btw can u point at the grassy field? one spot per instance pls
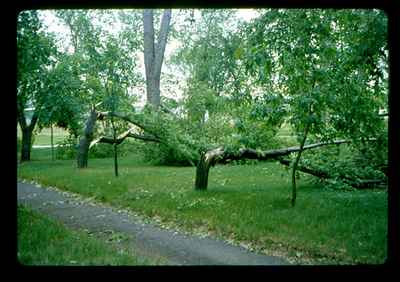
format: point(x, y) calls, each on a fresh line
point(44, 137)
point(248, 205)
point(43, 241)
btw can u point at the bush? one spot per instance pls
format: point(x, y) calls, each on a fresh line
point(67, 149)
point(160, 154)
point(343, 161)
point(101, 151)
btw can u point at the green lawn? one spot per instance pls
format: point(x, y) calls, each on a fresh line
point(248, 204)
point(44, 136)
point(43, 241)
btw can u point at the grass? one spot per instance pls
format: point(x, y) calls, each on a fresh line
point(246, 204)
point(41, 154)
point(43, 241)
point(44, 136)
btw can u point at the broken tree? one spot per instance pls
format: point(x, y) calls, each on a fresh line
point(220, 155)
point(210, 158)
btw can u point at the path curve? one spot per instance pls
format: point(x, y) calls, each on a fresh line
point(148, 240)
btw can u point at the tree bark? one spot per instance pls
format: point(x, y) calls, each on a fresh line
point(154, 54)
point(214, 156)
point(296, 162)
point(86, 139)
point(203, 167)
point(26, 145)
point(115, 148)
point(52, 143)
point(115, 159)
point(27, 132)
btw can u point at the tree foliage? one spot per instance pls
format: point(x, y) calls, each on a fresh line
point(326, 59)
point(323, 72)
point(35, 59)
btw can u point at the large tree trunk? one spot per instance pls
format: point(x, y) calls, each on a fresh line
point(203, 167)
point(211, 157)
point(27, 132)
point(52, 142)
point(26, 145)
point(154, 54)
point(86, 139)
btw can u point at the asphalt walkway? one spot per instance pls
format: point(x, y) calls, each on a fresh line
point(147, 239)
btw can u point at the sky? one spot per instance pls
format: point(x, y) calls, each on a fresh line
point(54, 25)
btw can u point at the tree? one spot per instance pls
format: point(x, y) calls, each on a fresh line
point(106, 64)
point(206, 56)
point(154, 53)
point(62, 106)
point(85, 38)
point(34, 53)
point(300, 60)
point(153, 57)
point(310, 64)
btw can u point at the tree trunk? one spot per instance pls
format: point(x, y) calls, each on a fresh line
point(296, 162)
point(86, 139)
point(203, 168)
point(115, 147)
point(154, 54)
point(26, 144)
point(52, 143)
point(27, 132)
point(115, 159)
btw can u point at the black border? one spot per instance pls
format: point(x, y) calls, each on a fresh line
point(392, 10)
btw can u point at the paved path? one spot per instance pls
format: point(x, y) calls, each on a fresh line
point(147, 239)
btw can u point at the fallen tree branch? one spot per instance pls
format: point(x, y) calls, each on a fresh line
point(219, 154)
point(145, 137)
point(126, 118)
point(359, 184)
point(122, 137)
point(149, 135)
point(210, 158)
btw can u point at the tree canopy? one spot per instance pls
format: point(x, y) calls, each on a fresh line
point(233, 84)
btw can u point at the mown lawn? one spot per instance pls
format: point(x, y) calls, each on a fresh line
point(44, 137)
point(248, 204)
point(43, 241)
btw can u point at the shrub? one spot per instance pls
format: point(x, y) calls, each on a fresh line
point(343, 161)
point(101, 151)
point(67, 149)
point(160, 154)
